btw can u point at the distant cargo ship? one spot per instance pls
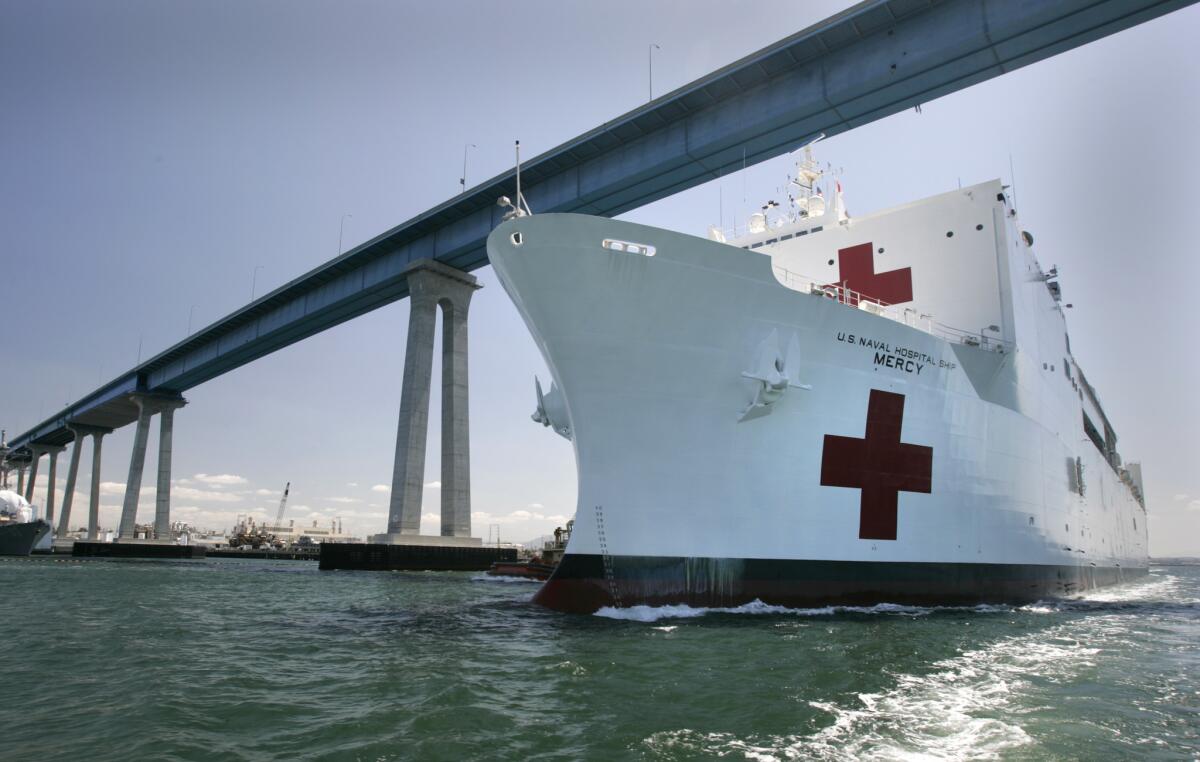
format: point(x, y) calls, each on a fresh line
point(821, 409)
point(19, 531)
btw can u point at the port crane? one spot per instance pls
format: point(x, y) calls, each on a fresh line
point(282, 506)
point(246, 533)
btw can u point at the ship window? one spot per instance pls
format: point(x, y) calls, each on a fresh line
point(1135, 522)
point(1090, 429)
point(756, 245)
point(769, 241)
point(632, 248)
point(516, 239)
point(802, 232)
point(785, 237)
point(817, 229)
point(1066, 368)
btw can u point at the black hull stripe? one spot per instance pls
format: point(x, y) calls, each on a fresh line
point(585, 583)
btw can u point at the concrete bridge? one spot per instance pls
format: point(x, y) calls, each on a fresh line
point(868, 62)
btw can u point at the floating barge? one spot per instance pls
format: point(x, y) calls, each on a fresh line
point(84, 549)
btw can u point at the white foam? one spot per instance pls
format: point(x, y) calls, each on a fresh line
point(644, 613)
point(503, 578)
point(958, 710)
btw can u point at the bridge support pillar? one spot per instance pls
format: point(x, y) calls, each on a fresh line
point(148, 406)
point(162, 497)
point(137, 462)
point(432, 284)
point(21, 479)
point(64, 517)
point(51, 479)
point(94, 495)
point(33, 469)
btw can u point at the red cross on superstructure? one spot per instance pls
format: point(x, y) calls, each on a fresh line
point(878, 464)
point(856, 270)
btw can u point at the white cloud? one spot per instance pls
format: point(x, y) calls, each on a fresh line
point(431, 516)
point(516, 517)
point(1180, 497)
point(112, 488)
point(220, 480)
point(381, 488)
point(1194, 505)
point(344, 500)
point(191, 493)
point(433, 485)
point(538, 506)
point(351, 484)
point(265, 492)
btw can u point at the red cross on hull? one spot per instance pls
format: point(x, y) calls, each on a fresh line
point(879, 464)
point(856, 272)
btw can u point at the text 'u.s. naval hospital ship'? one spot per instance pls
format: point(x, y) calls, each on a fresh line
point(823, 410)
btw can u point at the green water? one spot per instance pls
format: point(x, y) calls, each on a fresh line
point(111, 660)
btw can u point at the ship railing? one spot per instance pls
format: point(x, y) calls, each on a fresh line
point(910, 317)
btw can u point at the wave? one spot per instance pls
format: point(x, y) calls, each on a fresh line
point(643, 613)
point(503, 578)
point(1158, 593)
point(961, 709)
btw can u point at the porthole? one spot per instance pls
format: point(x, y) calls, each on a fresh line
point(831, 262)
point(880, 251)
point(979, 227)
point(949, 233)
point(517, 239)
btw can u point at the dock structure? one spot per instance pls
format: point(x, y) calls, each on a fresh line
point(872, 60)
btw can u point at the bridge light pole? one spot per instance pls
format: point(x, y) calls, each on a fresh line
point(254, 281)
point(463, 180)
point(342, 229)
point(192, 310)
point(650, 66)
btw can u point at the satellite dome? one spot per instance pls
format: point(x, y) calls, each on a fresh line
point(14, 505)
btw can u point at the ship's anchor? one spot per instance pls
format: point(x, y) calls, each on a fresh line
point(774, 375)
point(551, 409)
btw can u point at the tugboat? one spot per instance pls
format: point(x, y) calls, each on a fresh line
point(539, 566)
point(19, 531)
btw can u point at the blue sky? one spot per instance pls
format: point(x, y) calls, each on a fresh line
point(158, 155)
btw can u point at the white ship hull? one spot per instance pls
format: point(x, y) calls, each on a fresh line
point(914, 469)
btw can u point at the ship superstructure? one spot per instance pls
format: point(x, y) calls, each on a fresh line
point(821, 408)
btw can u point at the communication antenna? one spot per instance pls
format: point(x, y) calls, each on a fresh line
point(1012, 174)
point(520, 208)
point(522, 204)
